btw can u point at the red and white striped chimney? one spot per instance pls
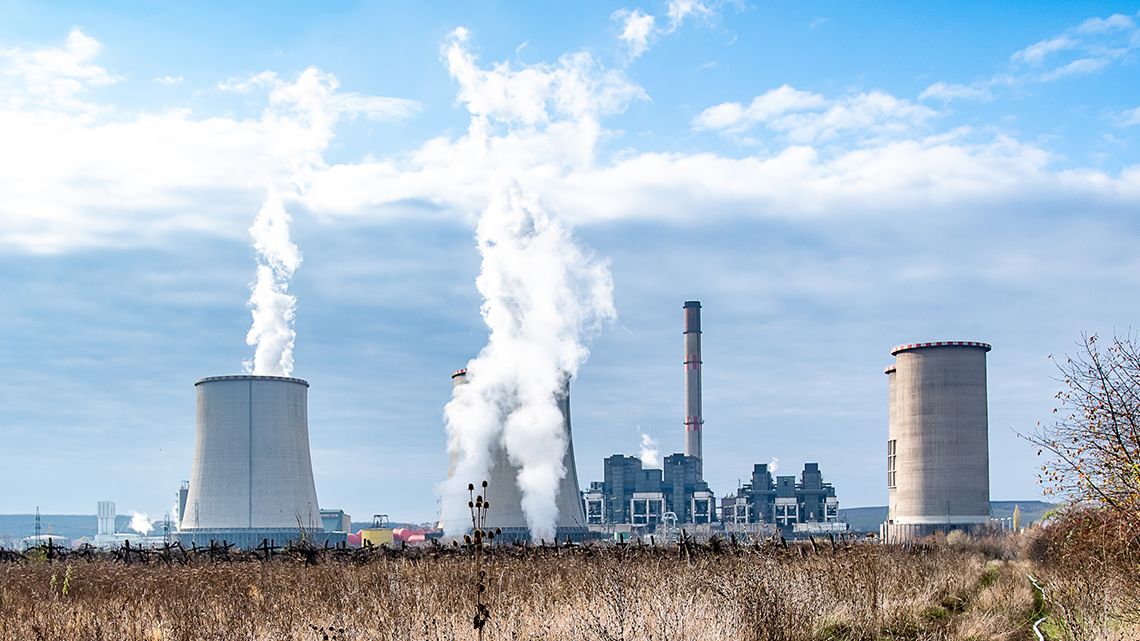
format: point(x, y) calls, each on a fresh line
point(694, 422)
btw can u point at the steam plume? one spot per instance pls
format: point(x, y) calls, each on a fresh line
point(273, 307)
point(543, 297)
point(773, 465)
point(140, 523)
point(648, 450)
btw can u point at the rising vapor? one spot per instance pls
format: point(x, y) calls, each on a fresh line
point(544, 296)
point(272, 306)
point(648, 451)
point(140, 523)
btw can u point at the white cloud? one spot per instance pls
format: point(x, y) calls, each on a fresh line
point(947, 91)
point(1129, 117)
point(804, 116)
point(1087, 48)
point(89, 174)
point(577, 88)
point(135, 178)
point(640, 29)
point(681, 10)
point(55, 76)
point(169, 81)
point(637, 29)
point(1115, 22)
point(1036, 53)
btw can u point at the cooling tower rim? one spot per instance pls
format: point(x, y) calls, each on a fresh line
point(459, 372)
point(889, 369)
point(251, 377)
point(898, 349)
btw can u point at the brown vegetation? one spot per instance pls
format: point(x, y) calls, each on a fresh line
point(612, 592)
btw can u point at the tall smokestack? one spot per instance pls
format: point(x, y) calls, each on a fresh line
point(694, 422)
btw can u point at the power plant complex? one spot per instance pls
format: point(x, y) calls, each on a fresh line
point(632, 500)
point(252, 477)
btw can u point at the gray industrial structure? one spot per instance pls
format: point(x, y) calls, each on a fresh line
point(694, 416)
point(252, 477)
point(784, 503)
point(938, 443)
point(505, 497)
point(631, 494)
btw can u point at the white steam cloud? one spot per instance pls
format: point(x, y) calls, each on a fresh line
point(304, 114)
point(273, 307)
point(543, 297)
point(140, 523)
point(773, 465)
point(648, 452)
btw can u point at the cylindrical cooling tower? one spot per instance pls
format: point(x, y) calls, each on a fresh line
point(503, 492)
point(938, 443)
point(252, 475)
point(694, 419)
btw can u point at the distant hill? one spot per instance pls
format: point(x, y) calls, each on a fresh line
point(73, 526)
point(868, 519)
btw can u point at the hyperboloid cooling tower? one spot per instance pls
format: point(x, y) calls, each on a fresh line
point(938, 443)
point(506, 499)
point(252, 477)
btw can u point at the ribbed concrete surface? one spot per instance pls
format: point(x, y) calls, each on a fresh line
point(938, 420)
point(251, 457)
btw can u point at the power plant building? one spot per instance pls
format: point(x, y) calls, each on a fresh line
point(505, 497)
point(252, 477)
point(782, 502)
point(631, 494)
point(937, 451)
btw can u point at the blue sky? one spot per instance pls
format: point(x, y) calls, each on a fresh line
point(829, 179)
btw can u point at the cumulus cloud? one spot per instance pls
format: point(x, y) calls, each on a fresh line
point(640, 29)
point(681, 10)
point(637, 29)
point(577, 87)
point(56, 76)
point(146, 176)
point(90, 174)
point(169, 81)
point(804, 116)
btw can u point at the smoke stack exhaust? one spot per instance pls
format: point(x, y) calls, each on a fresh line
point(694, 422)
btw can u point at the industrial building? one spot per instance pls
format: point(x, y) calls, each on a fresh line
point(676, 493)
point(503, 491)
point(937, 449)
point(633, 495)
point(809, 505)
point(252, 477)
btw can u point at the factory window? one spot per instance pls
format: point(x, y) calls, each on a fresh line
point(891, 459)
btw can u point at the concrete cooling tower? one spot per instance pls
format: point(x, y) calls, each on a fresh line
point(252, 477)
point(506, 499)
point(938, 441)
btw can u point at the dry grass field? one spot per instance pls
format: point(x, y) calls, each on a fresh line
point(857, 591)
